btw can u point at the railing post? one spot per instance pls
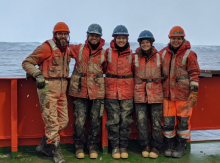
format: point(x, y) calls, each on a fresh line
point(104, 133)
point(14, 118)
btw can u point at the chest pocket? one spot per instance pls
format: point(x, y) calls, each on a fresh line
point(57, 58)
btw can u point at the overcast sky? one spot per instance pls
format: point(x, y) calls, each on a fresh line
point(33, 20)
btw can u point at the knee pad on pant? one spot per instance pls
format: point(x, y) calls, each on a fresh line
point(169, 123)
point(183, 123)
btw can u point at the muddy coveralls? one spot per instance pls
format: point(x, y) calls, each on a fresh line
point(182, 75)
point(87, 88)
point(119, 87)
point(54, 67)
point(148, 97)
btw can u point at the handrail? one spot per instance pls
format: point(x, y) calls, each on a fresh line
point(19, 103)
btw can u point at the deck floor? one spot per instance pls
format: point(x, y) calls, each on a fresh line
point(200, 152)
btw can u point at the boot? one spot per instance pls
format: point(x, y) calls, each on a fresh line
point(180, 148)
point(154, 153)
point(146, 151)
point(170, 144)
point(93, 154)
point(80, 153)
point(116, 153)
point(45, 148)
point(57, 153)
point(124, 153)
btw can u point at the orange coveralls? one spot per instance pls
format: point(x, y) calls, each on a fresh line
point(54, 66)
point(182, 72)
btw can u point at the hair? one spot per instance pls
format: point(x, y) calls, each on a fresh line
point(140, 52)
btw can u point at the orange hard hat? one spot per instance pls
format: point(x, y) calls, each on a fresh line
point(176, 31)
point(61, 27)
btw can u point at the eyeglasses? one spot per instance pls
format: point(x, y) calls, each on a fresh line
point(62, 34)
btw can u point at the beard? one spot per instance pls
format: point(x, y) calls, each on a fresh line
point(63, 42)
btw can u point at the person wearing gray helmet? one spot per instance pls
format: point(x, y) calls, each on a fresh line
point(87, 88)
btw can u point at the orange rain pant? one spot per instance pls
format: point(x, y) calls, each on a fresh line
point(54, 110)
point(176, 115)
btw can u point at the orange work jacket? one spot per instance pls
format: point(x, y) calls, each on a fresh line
point(181, 71)
point(87, 79)
point(52, 62)
point(148, 78)
point(119, 81)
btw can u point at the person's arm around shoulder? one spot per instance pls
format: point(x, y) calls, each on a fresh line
point(161, 59)
point(134, 55)
point(74, 50)
point(105, 63)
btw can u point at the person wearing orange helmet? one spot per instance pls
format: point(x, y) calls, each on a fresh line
point(181, 69)
point(53, 58)
point(87, 88)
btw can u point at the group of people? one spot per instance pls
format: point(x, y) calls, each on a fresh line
point(161, 86)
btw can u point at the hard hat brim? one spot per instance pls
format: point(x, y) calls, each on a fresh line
point(94, 33)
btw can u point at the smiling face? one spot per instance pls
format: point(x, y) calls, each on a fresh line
point(145, 45)
point(62, 37)
point(94, 38)
point(176, 41)
point(121, 40)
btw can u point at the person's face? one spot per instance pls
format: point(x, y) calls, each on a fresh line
point(94, 38)
point(176, 41)
point(62, 37)
point(121, 40)
point(145, 45)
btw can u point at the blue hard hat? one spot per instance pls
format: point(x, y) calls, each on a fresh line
point(95, 28)
point(120, 30)
point(146, 34)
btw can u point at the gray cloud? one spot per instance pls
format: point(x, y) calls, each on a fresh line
point(33, 21)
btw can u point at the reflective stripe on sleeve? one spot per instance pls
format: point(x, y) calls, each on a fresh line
point(163, 55)
point(158, 60)
point(102, 56)
point(130, 59)
point(185, 56)
point(136, 61)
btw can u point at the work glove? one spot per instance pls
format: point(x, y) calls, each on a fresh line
point(40, 81)
point(192, 98)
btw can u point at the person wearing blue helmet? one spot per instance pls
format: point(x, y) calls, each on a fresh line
point(148, 94)
point(119, 83)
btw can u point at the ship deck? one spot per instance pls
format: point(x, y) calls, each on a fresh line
point(197, 152)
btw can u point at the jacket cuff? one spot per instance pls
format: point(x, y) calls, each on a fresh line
point(194, 83)
point(194, 89)
point(35, 74)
